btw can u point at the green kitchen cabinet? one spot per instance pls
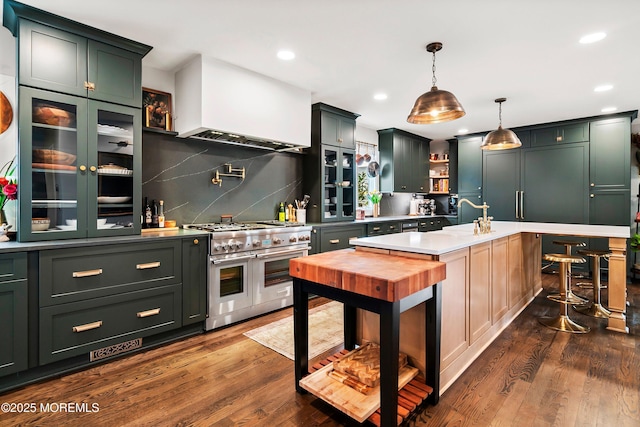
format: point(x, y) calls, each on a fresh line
point(333, 238)
point(560, 134)
point(501, 183)
point(195, 263)
point(333, 126)
point(404, 161)
point(329, 175)
point(67, 57)
point(13, 313)
point(80, 166)
point(385, 227)
point(469, 164)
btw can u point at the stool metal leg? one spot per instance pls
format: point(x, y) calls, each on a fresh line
point(595, 309)
point(567, 295)
point(562, 322)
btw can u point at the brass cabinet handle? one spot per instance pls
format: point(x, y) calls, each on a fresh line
point(339, 139)
point(376, 228)
point(93, 168)
point(87, 326)
point(148, 265)
point(148, 313)
point(392, 227)
point(89, 85)
point(334, 241)
point(196, 241)
point(87, 273)
point(353, 238)
point(592, 196)
point(593, 184)
point(82, 168)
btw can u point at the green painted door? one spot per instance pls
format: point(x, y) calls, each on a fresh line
point(195, 263)
point(116, 74)
point(501, 184)
point(469, 164)
point(52, 59)
point(13, 313)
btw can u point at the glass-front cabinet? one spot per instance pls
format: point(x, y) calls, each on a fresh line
point(80, 167)
point(338, 186)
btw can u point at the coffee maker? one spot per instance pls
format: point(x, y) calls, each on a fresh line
point(453, 204)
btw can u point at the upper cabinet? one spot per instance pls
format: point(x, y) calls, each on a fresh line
point(334, 126)
point(65, 56)
point(469, 164)
point(560, 134)
point(329, 167)
point(404, 161)
point(80, 121)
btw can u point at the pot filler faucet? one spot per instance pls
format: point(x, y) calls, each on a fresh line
point(484, 222)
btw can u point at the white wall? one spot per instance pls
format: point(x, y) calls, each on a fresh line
point(367, 135)
point(163, 81)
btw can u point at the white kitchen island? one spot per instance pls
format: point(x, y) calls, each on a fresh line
point(491, 278)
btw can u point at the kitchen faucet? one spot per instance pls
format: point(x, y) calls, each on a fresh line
point(483, 221)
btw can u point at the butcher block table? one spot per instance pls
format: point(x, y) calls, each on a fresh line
point(380, 283)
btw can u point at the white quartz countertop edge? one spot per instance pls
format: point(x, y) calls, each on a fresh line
point(461, 236)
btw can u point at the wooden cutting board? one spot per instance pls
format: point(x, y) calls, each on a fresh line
point(378, 275)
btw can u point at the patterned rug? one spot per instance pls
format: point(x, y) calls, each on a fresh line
point(325, 331)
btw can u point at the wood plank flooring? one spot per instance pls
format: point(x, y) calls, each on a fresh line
point(529, 376)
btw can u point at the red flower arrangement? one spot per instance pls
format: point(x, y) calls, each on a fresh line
point(8, 184)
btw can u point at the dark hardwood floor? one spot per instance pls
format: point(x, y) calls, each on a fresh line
point(529, 376)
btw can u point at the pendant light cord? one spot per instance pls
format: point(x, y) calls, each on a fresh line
point(433, 71)
point(500, 113)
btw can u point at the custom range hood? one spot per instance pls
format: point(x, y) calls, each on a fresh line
point(220, 102)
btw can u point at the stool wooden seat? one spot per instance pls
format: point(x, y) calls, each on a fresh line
point(570, 296)
point(562, 322)
point(595, 308)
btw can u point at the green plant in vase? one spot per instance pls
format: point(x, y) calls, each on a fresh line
point(363, 189)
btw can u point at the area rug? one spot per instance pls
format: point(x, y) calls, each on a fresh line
point(325, 331)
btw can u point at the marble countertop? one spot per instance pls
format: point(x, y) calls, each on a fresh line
point(461, 236)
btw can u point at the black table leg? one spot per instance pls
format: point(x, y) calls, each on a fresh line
point(389, 351)
point(350, 327)
point(300, 332)
point(433, 309)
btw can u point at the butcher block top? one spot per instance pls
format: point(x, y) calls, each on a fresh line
point(378, 275)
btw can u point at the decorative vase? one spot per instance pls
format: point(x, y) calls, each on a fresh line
point(376, 210)
point(9, 215)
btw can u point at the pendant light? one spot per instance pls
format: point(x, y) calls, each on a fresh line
point(435, 106)
point(500, 139)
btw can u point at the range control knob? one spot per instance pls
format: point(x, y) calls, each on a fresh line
point(238, 245)
point(225, 247)
point(293, 239)
point(277, 241)
point(256, 243)
point(217, 248)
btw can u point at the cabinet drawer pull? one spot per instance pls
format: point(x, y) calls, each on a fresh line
point(334, 241)
point(196, 241)
point(89, 85)
point(88, 326)
point(376, 228)
point(88, 273)
point(148, 265)
point(148, 313)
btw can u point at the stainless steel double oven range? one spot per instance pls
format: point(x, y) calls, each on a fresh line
point(249, 268)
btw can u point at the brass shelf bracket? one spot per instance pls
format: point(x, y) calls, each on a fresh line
point(231, 172)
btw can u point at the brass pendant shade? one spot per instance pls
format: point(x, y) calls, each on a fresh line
point(435, 106)
point(501, 139)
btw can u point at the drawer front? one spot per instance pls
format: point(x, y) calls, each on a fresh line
point(68, 330)
point(384, 228)
point(13, 266)
point(338, 238)
point(68, 275)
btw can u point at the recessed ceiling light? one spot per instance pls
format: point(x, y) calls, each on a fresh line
point(603, 88)
point(286, 55)
point(380, 96)
point(609, 109)
point(461, 131)
point(592, 38)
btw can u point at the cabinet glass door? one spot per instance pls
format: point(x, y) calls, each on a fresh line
point(110, 196)
point(332, 178)
point(50, 179)
point(347, 186)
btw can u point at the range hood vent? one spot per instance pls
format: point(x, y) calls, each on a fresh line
point(220, 102)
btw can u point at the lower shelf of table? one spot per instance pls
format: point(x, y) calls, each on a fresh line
point(412, 392)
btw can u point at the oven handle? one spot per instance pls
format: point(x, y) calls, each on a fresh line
point(226, 260)
point(288, 251)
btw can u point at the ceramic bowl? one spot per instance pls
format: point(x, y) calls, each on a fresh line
point(40, 224)
point(346, 183)
point(101, 221)
point(72, 222)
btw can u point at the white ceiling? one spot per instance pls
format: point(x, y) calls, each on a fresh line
point(347, 50)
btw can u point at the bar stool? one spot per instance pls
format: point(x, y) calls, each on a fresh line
point(595, 308)
point(570, 296)
point(562, 322)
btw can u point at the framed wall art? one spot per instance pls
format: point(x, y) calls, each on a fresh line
point(156, 109)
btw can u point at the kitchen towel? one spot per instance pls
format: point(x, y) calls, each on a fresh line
point(325, 331)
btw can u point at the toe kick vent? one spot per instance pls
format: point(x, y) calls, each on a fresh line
point(123, 347)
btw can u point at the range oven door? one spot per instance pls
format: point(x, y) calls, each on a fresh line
point(271, 274)
point(230, 283)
